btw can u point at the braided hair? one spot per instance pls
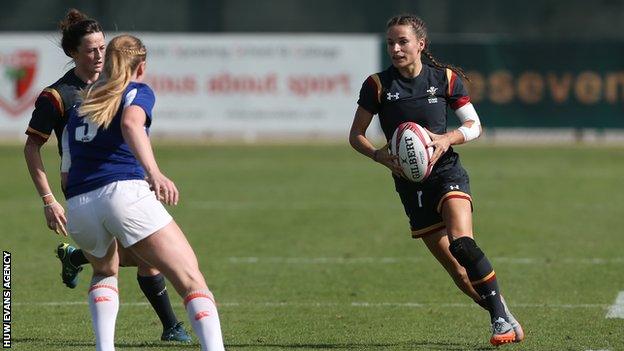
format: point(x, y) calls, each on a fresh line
point(101, 100)
point(420, 29)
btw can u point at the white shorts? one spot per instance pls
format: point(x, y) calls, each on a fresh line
point(127, 210)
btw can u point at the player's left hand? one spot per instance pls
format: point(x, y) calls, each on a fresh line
point(440, 144)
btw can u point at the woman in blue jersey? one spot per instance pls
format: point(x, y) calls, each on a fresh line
point(109, 195)
point(82, 39)
point(439, 208)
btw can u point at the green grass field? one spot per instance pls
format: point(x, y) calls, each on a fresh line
point(307, 248)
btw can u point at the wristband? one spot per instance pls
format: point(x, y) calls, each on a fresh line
point(470, 133)
point(468, 113)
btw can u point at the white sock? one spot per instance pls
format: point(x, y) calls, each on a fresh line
point(202, 312)
point(104, 304)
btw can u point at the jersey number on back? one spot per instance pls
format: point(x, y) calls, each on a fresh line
point(86, 131)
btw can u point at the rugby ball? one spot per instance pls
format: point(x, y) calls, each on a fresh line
point(409, 143)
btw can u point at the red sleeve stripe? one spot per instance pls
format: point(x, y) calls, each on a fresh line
point(378, 86)
point(36, 133)
point(194, 295)
point(460, 102)
point(453, 195)
point(104, 286)
point(55, 98)
point(428, 231)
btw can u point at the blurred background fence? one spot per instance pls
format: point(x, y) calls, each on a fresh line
point(287, 68)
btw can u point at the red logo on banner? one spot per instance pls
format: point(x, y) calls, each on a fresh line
point(17, 75)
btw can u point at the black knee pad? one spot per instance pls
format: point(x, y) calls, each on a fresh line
point(466, 251)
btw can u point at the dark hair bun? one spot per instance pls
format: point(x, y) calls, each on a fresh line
point(73, 16)
point(74, 27)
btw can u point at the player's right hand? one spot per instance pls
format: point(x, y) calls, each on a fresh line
point(384, 157)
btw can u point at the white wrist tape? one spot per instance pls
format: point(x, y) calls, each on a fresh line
point(468, 113)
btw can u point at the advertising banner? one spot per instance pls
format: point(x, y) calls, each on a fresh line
point(216, 84)
point(28, 63)
point(554, 84)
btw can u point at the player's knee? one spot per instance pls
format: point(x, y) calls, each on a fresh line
point(147, 271)
point(465, 251)
point(126, 259)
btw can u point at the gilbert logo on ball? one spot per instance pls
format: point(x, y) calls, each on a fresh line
point(409, 143)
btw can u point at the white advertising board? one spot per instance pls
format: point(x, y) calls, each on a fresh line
point(216, 84)
point(28, 63)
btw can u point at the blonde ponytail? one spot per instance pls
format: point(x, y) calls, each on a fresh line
point(101, 100)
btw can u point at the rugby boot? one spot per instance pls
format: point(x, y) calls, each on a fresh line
point(175, 333)
point(69, 272)
point(514, 323)
point(502, 332)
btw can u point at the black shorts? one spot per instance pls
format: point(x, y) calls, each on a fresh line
point(423, 201)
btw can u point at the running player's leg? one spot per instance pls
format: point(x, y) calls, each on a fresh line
point(438, 244)
point(84, 224)
point(169, 251)
point(104, 297)
point(457, 215)
point(153, 286)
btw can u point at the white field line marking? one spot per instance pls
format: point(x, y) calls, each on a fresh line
point(394, 260)
point(324, 260)
point(334, 304)
point(617, 309)
point(285, 206)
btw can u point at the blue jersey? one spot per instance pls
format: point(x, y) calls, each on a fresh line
point(101, 156)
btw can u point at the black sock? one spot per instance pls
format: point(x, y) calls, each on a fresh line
point(481, 275)
point(483, 304)
point(77, 258)
point(156, 292)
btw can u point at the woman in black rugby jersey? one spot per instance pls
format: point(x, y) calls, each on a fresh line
point(440, 207)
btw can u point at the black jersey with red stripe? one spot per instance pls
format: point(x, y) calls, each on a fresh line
point(51, 107)
point(424, 99)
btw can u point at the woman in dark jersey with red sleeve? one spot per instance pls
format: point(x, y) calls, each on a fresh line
point(440, 207)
